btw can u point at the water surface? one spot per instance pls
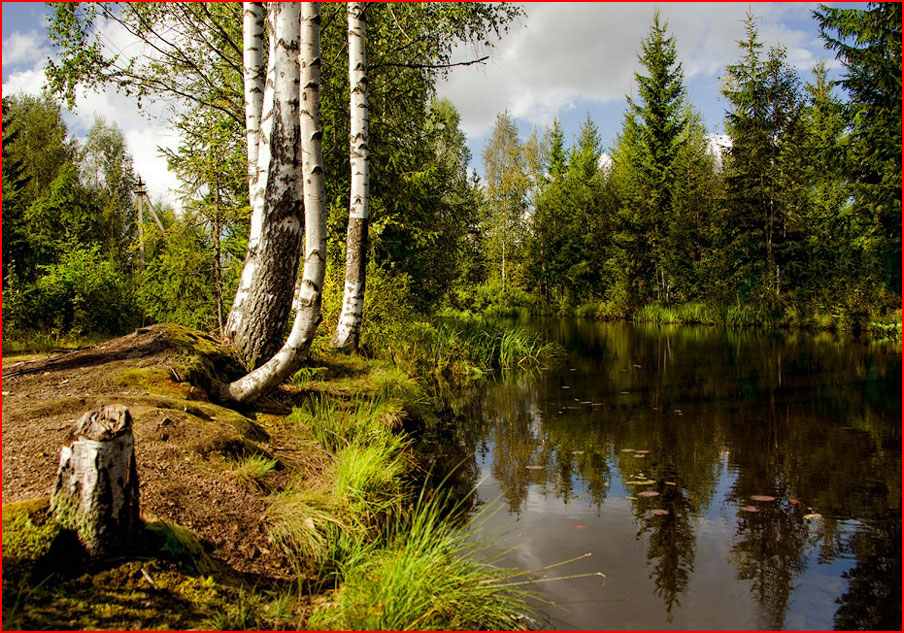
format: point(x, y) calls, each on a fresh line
point(716, 423)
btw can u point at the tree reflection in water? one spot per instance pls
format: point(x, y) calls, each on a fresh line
point(725, 415)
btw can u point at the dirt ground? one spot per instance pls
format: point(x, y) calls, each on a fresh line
point(186, 446)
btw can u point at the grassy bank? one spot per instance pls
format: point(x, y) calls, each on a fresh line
point(875, 325)
point(349, 538)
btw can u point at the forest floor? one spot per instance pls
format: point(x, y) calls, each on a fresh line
point(189, 453)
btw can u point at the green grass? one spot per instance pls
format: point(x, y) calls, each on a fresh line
point(428, 576)
point(254, 469)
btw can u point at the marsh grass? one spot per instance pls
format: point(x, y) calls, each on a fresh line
point(426, 576)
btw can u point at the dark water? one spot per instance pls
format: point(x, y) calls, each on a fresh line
point(725, 416)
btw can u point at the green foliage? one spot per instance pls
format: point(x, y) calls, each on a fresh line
point(868, 44)
point(82, 293)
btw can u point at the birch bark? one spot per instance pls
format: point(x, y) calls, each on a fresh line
point(257, 320)
point(308, 315)
point(349, 327)
point(255, 79)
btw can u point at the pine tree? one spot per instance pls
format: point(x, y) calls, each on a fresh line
point(868, 43)
point(651, 140)
point(764, 169)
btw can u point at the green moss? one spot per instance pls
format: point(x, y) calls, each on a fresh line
point(28, 530)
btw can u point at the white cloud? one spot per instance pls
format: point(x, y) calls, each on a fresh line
point(144, 129)
point(23, 48)
point(563, 53)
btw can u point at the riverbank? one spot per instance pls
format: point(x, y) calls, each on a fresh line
point(305, 511)
point(877, 325)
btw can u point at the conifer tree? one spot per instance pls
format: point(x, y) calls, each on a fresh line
point(868, 43)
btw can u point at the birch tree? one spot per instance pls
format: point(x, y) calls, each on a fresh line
point(255, 77)
point(308, 314)
point(264, 297)
point(349, 327)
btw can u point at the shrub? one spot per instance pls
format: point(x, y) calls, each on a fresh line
point(82, 293)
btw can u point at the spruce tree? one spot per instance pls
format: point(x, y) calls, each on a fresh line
point(868, 43)
point(764, 170)
point(648, 147)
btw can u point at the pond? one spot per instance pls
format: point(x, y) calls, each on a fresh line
point(720, 479)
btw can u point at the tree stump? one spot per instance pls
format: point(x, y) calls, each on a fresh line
point(96, 490)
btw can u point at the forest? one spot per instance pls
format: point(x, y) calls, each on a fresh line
point(334, 263)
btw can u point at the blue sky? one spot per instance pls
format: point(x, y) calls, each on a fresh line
point(561, 59)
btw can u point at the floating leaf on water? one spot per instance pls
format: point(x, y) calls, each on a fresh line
point(637, 365)
point(643, 452)
point(795, 502)
point(626, 450)
point(630, 497)
point(659, 512)
point(639, 455)
point(566, 387)
point(648, 493)
point(535, 467)
point(577, 399)
point(762, 498)
point(749, 509)
point(813, 515)
point(625, 392)
point(579, 526)
point(585, 402)
point(577, 452)
point(670, 483)
point(572, 369)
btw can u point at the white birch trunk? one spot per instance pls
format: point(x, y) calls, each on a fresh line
point(307, 316)
point(349, 327)
point(255, 80)
point(96, 489)
point(263, 299)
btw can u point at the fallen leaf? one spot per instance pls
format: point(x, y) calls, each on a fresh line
point(762, 498)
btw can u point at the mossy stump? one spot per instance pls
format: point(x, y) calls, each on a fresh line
point(96, 489)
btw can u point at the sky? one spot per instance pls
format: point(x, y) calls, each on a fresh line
point(565, 60)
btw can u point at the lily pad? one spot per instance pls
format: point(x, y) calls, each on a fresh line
point(659, 512)
point(762, 498)
point(750, 509)
point(648, 493)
